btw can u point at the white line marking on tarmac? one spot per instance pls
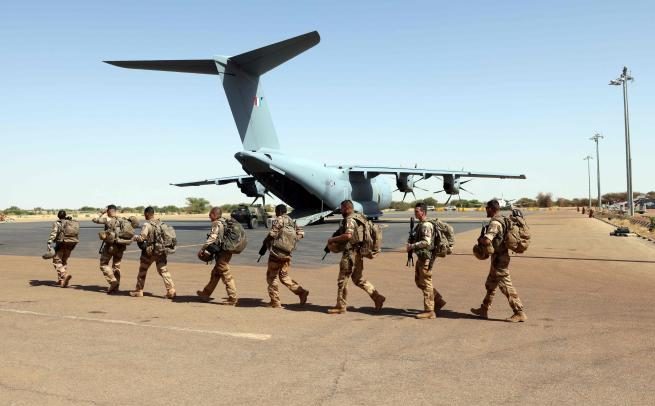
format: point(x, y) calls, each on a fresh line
point(250, 336)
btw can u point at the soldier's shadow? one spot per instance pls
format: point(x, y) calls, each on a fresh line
point(36, 282)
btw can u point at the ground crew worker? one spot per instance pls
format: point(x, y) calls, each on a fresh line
point(62, 249)
point(279, 259)
point(110, 252)
point(424, 230)
point(493, 242)
point(221, 270)
point(148, 255)
point(352, 263)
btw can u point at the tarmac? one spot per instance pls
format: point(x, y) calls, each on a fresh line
point(590, 337)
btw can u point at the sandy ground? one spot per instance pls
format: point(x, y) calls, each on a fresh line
point(590, 338)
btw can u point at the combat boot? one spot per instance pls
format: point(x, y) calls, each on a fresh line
point(117, 275)
point(336, 310)
point(480, 312)
point(378, 299)
point(274, 305)
point(113, 287)
point(64, 282)
point(205, 297)
point(136, 293)
point(59, 282)
point(439, 305)
point(230, 302)
point(518, 317)
point(303, 297)
point(170, 293)
point(426, 315)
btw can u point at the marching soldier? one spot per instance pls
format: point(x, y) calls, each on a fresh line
point(110, 252)
point(352, 263)
point(221, 270)
point(279, 260)
point(62, 249)
point(425, 234)
point(493, 243)
point(148, 255)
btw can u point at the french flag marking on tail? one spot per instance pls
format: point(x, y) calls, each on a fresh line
point(258, 101)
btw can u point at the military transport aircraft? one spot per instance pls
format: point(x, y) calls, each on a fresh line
point(314, 190)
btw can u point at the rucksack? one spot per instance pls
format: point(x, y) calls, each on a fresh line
point(69, 231)
point(517, 232)
point(368, 236)
point(125, 230)
point(287, 239)
point(443, 238)
point(234, 238)
point(162, 239)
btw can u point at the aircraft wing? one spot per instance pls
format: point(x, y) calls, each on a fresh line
point(216, 181)
point(373, 171)
point(304, 217)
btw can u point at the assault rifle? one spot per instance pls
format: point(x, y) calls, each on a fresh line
point(411, 240)
point(262, 250)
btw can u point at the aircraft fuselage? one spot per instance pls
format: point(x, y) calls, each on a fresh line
point(306, 184)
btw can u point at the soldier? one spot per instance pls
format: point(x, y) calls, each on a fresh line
point(148, 255)
point(279, 258)
point(493, 243)
point(432, 299)
point(110, 251)
point(221, 270)
point(352, 263)
point(62, 249)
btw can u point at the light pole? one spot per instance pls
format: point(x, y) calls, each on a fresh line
point(589, 158)
point(623, 80)
point(595, 138)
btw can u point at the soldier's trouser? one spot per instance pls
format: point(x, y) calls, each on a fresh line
point(423, 280)
point(160, 262)
point(279, 268)
point(351, 266)
point(499, 278)
point(60, 260)
point(222, 272)
point(114, 254)
point(437, 296)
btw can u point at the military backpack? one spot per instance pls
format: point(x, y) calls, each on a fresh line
point(443, 238)
point(287, 239)
point(234, 238)
point(162, 239)
point(368, 236)
point(69, 232)
point(517, 232)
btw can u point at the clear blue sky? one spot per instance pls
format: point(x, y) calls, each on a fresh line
point(509, 86)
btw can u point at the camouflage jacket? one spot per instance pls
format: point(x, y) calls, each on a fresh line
point(216, 233)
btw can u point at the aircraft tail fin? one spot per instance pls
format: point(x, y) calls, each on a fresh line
point(241, 82)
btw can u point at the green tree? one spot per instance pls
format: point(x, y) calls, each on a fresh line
point(196, 205)
point(525, 202)
point(545, 199)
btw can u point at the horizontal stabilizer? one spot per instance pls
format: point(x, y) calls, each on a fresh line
point(206, 66)
point(261, 60)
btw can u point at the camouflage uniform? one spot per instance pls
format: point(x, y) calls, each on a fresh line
point(279, 262)
point(499, 271)
point(110, 252)
point(148, 257)
point(352, 266)
point(424, 263)
point(62, 251)
point(221, 270)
